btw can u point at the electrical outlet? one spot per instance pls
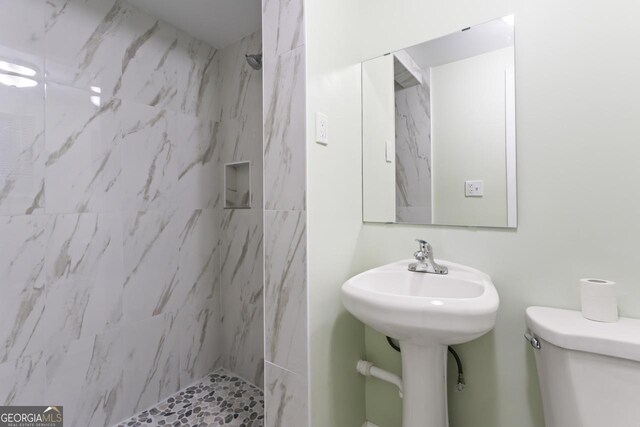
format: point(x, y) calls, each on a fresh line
point(474, 188)
point(322, 128)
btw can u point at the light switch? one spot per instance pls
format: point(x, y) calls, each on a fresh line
point(322, 129)
point(389, 151)
point(474, 188)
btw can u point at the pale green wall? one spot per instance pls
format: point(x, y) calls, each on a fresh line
point(379, 113)
point(578, 166)
point(334, 216)
point(468, 138)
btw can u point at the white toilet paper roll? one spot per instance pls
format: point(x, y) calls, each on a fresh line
point(599, 300)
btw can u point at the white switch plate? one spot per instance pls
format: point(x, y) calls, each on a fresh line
point(389, 151)
point(322, 129)
point(474, 188)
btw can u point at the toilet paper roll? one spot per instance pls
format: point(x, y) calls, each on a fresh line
point(599, 300)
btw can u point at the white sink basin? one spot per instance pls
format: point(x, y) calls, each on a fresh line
point(424, 308)
point(426, 313)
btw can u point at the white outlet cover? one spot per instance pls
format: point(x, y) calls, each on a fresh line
point(474, 188)
point(322, 129)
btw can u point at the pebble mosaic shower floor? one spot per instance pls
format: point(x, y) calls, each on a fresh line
point(220, 399)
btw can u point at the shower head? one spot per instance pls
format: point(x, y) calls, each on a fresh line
point(254, 61)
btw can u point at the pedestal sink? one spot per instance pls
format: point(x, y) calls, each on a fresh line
point(426, 313)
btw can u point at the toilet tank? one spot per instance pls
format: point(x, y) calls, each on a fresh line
point(589, 371)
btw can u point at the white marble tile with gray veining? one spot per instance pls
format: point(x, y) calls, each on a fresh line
point(22, 381)
point(242, 142)
point(201, 349)
point(150, 263)
point(22, 28)
point(82, 44)
point(286, 290)
point(152, 369)
point(413, 153)
point(171, 262)
point(83, 166)
point(147, 136)
point(242, 292)
point(22, 267)
point(284, 133)
point(84, 270)
point(198, 68)
point(21, 132)
point(87, 378)
point(113, 47)
point(147, 70)
point(240, 85)
point(283, 22)
point(285, 398)
point(197, 156)
point(241, 125)
point(242, 100)
point(241, 243)
point(198, 255)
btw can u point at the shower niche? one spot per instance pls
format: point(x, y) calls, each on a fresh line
point(237, 185)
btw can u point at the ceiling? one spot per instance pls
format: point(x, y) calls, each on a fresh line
point(217, 22)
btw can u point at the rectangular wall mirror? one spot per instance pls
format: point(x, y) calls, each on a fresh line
point(439, 138)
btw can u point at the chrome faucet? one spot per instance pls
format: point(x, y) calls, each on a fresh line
point(425, 263)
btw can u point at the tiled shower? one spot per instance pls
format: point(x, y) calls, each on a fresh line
point(124, 279)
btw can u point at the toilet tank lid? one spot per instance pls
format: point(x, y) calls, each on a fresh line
point(568, 329)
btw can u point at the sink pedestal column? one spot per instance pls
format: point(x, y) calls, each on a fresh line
point(424, 385)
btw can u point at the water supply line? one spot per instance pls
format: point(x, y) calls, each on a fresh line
point(368, 369)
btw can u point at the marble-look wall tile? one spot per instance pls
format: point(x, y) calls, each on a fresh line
point(87, 378)
point(241, 125)
point(241, 85)
point(150, 264)
point(197, 161)
point(284, 132)
point(241, 230)
point(285, 398)
point(22, 381)
point(198, 73)
point(413, 152)
point(22, 267)
point(22, 27)
point(171, 261)
point(286, 290)
point(147, 136)
point(84, 272)
point(83, 166)
point(283, 26)
point(242, 138)
point(110, 45)
point(147, 71)
point(239, 138)
point(80, 41)
point(198, 256)
point(152, 368)
point(201, 349)
point(22, 154)
point(284, 145)
point(242, 292)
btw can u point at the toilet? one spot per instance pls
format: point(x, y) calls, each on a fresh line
point(589, 371)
